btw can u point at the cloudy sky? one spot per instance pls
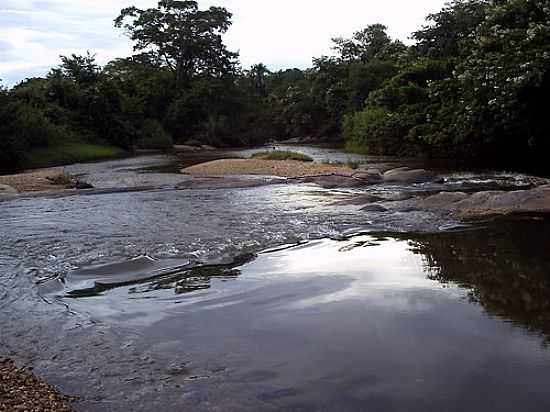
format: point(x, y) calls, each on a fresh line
point(281, 33)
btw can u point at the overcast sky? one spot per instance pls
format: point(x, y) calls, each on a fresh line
point(279, 33)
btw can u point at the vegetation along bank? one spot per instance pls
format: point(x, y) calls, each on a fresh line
point(473, 85)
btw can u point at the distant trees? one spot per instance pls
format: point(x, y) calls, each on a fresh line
point(475, 83)
point(472, 86)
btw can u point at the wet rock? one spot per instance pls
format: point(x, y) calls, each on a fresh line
point(442, 201)
point(7, 190)
point(409, 176)
point(229, 182)
point(374, 208)
point(334, 181)
point(370, 176)
point(358, 201)
point(82, 185)
point(491, 203)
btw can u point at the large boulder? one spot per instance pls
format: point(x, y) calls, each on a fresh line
point(410, 176)
point(491, 203)
point(369, 176)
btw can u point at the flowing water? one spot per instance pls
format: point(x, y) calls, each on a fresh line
point(274, 297)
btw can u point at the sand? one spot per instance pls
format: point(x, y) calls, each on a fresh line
point(35, 181)
point(259, 167)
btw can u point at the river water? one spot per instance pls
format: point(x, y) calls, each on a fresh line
point(275, 297)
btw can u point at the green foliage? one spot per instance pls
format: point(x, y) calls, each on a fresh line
point(185, 39)
point(68, 153)
point(282, 155)
point(474, 84)
point(153, 136)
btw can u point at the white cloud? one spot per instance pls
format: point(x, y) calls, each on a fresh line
point(282, 33)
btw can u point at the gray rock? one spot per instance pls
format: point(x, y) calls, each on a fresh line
point(334, 181)
point(81, 185)
point(374, 208)
point(371, 176)
point(442, 201)
point(358, 201)
point(491, 203)
point(407, 176)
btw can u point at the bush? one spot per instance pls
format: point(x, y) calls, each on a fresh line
point(153, 136)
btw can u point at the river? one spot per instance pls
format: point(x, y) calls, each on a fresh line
point(276, 297)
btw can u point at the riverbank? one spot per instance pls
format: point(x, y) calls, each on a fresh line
point(69, 153)
point(22, 391)
point(260, 167)
point(43, 180)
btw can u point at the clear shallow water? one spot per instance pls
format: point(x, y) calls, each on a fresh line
point(155, 299)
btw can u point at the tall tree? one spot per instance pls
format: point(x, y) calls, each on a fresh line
point(188, 40)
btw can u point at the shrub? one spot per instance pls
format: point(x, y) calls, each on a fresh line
point(153, 136)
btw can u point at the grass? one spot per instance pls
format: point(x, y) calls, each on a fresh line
point(282, 155)
point(70, 153)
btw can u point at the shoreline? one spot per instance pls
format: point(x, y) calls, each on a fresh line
point(31, 181)
point(22, 390)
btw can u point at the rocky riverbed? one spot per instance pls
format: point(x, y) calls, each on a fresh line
point(159, 290)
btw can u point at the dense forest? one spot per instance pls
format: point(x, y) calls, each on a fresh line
point(472, 85)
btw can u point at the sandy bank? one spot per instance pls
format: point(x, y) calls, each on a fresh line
point(35, 181)
point(259, 167)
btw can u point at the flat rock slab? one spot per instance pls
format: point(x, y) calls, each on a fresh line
point(485, 204)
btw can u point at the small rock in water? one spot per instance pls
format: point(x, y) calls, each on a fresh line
point(80, 185)
point(374, 208)
point(370, 176)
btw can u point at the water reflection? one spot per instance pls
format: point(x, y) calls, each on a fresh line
point(505, 267)
point(372, 322)
point(142, 275)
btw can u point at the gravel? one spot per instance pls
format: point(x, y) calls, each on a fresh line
point(22, 391)
point(280, 168)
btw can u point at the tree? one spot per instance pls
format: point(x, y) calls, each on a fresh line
point(369, 43)
point(187, 40)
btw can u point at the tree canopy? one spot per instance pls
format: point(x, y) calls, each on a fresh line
point(473, 85)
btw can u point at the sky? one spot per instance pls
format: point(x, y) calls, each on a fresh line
point(281, 34)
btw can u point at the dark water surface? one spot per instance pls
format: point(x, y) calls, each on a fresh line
point(172, 300)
